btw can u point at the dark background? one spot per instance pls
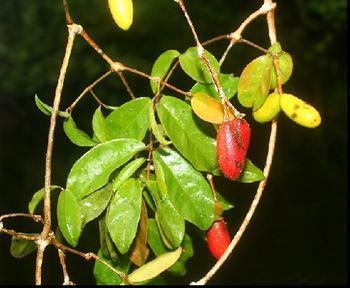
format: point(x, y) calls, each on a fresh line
point(298, 234)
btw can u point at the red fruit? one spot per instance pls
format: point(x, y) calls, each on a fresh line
point(232, 144)
point(218, 238)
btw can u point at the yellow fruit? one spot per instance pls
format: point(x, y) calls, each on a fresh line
point(122, 12)
point(208, 108)
point(299, 111)
point(269, 110)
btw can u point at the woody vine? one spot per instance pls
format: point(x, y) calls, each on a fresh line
point(152, 162)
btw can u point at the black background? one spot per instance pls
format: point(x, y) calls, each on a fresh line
point(298, 234)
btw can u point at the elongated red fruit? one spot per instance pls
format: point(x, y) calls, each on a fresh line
point(218, 238)
point(232, 144)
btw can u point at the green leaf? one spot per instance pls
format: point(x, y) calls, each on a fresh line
point(93, 169)
point(251, 173)
point(130, 120)
point(161, 66)
point(155, 267)
point(95, 203)
point(275, 48)
point(255, 81)
point(171, 222)
point(99, 126)
point(127, 171)
point(21, 248)
point(158, 248)
point(124, 214)
point(106, 276)
point(46, 109)
point(286, 69)
point(228, 83)
point(155, 127)
point(194, 67)
point(69, 217)
point(188, 190)
point(107, 247)
point(225, 205)
point(75, 135)
point(192, 137)
point(38, 197)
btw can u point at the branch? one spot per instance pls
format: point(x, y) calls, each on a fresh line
point(62, 256)
point(73, 29)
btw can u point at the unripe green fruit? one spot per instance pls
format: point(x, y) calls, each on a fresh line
point(299, 111)
point(122, 12)
point(269, 110)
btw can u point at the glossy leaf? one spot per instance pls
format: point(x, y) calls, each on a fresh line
point(140, 250)
point(99, 126)
point(104, 275)
point(93, 169)
point(69, 217)
point(251, 173)
point(130, 120)
point(155, 127)
point(158, 248)
point(162, 66)
point(228, 83)
point(75, 135)
point(21, 248)
point(188, 190)
point(208, 108)
point(124, 214)
point(269, 109)
point(38, 197)
point(155, 267)
point(254, 82)
point(194, 67)
point(46, 109)
point(107, 247)
point(193, 138)
point(95, 203)
point(171, 222)
point(225, 204)
point(127, 171)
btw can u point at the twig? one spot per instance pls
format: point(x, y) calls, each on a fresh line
point(100, 102)
point(66, 278)
point(36, 218)
point(73, 29)
point(262, 184)
point(126, 85)
point(245, 41)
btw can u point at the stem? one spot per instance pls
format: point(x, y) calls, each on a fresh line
point(72, 31)
point(66, 278)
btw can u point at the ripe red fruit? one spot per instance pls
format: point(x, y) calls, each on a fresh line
point(232, 144)
point(218, 238)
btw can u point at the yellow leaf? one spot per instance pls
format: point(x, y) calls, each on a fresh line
point(208, 108)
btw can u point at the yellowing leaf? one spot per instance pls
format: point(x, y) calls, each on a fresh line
point(155, 267)
point(208, 109)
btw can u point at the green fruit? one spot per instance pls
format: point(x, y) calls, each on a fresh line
point(299, 111)
point(269, 110)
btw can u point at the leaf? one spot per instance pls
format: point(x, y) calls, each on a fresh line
point(124, 214)
point(286, 68)
point(228, 83)
point(208, 108)
point(99, 126)
point(251, 173)
point(127, 172)
point(155, 267)
point(155, 127)
point(95, 203)
point(21, 248)
point(93, 169)
point(158, 248)
point(38, 197)
point(104, 275)
point(107, 247)
point(161, 66)
point(69, 217)
point(255, 81)
point(75, 135)
point(225, 205)
point(194, 67)
point(171, 222)
point(188, 190)
point(130, 120)
point(140, 250)
point(46, 109)
point(194, 139)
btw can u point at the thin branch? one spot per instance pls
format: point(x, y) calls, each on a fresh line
point(36, 218)
point(245, 41)
point(126, 85)
point(19, 235)
point(215, 39)
point(262, 184)
point(100, 102)
point(72, 31)
point(62, 257)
